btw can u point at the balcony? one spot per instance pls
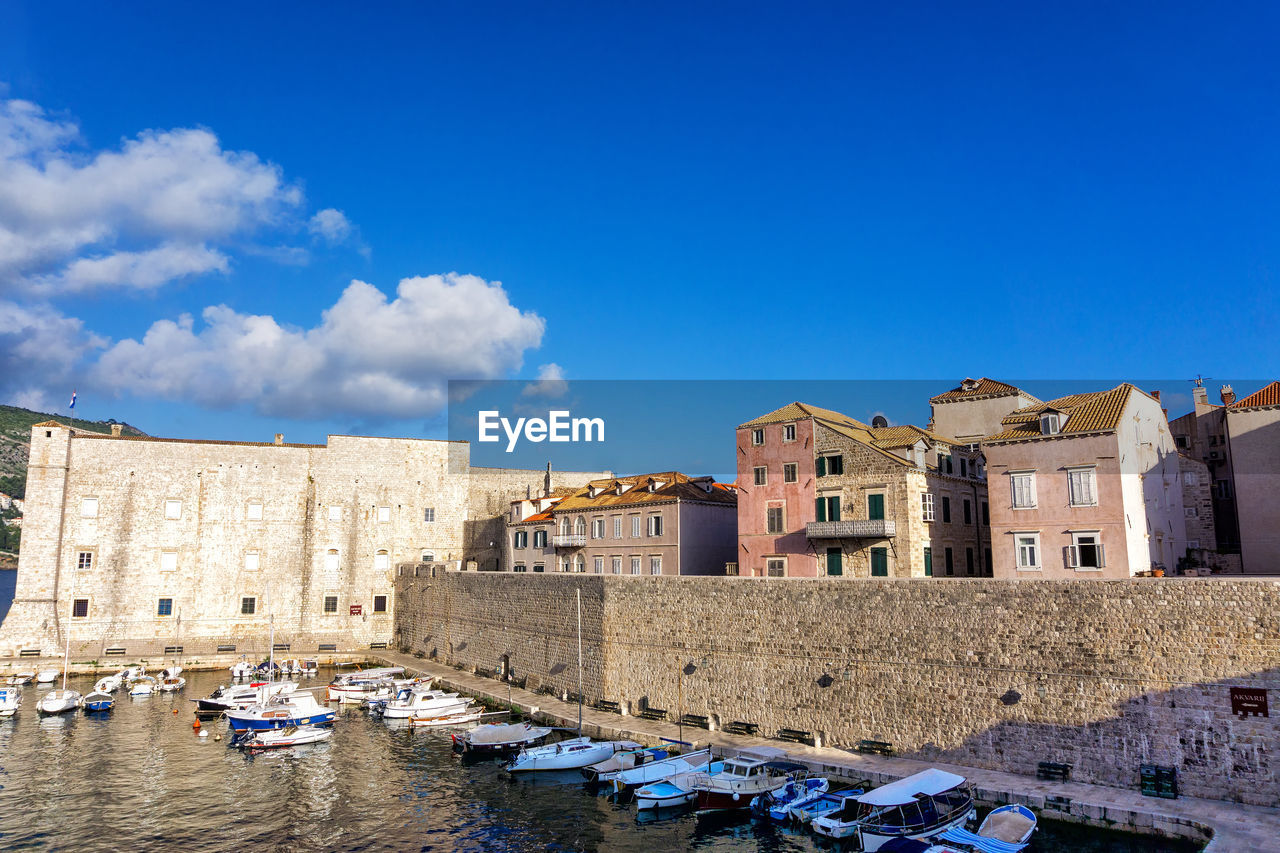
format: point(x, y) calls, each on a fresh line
point(851, 529)
point(569, 540)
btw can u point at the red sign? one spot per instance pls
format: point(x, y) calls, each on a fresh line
point(1249, 702)
point(357, 609)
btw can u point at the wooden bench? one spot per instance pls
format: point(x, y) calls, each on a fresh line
point(695, 720)
point(606, 705)
point(875, 747)
point(1053, 771)
point(795, 736)
point(738, 727)
point(653, 714)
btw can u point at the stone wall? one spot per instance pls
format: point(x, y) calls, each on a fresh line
point(1105, 676)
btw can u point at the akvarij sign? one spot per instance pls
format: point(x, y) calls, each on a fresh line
point(558, 426)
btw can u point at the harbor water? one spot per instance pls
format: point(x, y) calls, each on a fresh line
point(140, 778)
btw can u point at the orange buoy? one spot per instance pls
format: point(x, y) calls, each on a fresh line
point(175, 712)
point(196, 724)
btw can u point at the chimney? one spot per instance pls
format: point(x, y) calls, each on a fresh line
point(279, 438)
point(1156, 394)
point(116, 429)
point(1200, 394)
point(546, 481)
point(1228, 395)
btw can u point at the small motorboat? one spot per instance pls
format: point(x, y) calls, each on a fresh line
point(108, 684)
point(922, 806)
point(361, 684)
point(572, 754)
point(243, 669)
point(171, 684)
point(47, 676)
point(293, 735)
point(10, 701)
point(742, 778)
point(1004, 830)
point(132, 673)
point(421, 703)
point(676, 790)
point(281, 711)
point(241, 696)
point(309, 667)
point(170, 672)
point(98, 700)
point(468, 715)
point(500, 737)
point(777, 804)
point(653, 772)
point(58, 702)
point(804, 811)
point(144, 686)
point(19, 679)
point(624, 759)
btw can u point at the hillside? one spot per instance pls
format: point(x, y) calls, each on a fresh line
point(15, 440)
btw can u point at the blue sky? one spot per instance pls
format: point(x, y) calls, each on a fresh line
point(733, 191)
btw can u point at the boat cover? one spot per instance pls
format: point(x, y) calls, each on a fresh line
point(786, 766)
point(958, 835)
point(928, 782)
point(504, 733)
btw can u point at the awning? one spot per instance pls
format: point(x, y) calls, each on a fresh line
point(927, 782)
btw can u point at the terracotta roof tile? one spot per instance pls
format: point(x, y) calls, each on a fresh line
point(1098, 411)
point(972, 389)
point(800, 411)
point(676, 486)
point(904, 436)
point(1267, 396)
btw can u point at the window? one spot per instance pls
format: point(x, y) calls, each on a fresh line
point(88, 507)
point(565, 566)
point(615, 564)
point(1083, 484)
point(1182, 441)
point(776, 567)
point(518, 567)
point(1222, 489)
point(964, 467)
point(1085, 551)
point(617, 527)
point(655, 565)
point(540, 538)
point(968, 512)
point(926, 501)
point(251, 561)
point(775, 519)
point(80, 608)
point(331, 604)
point(380, 601)
point(790, 472)
point(946, 509)
point(655, 525)
point(928, 562)
point(635, 565)
point(828, 508)
point(164, 607)
point(986, 515)
point(580, 526)
point(597, 528)
point(382, 561)
point(788, 432)
point(835, 562)
point(879, 562)
point(944, 463)
point(331, 560)
point(829, 466)
point(635, 527)
point(84, 559)
point(761, 475)
point(429, 515)
point(335, 513)
point(1023, 486)
point(428, 557)
point(875, 506)
point(1190, 512)
point(598, 565)
point(384, 514)
point(520, 539)
point(950, 561)
point(757, 437)
point(1050, 423)
point(248, 605)
point(1188, 478)
point(173, 509)
point(1028, 547)
point(539, 567)
point(254, 511)
point(986, 553)
point(968, 561)
point(168, 561)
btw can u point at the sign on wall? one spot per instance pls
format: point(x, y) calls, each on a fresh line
point(1249, 701)
point(357, 609)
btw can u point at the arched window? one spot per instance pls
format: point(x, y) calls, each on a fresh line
point(564, 526)
point(580, 526)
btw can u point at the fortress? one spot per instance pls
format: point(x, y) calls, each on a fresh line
point(137, 546)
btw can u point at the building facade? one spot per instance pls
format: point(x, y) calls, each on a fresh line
point(134, 543)
point(975, 408)
point(1253, 440)
point(824, 495)
point(1202, 434)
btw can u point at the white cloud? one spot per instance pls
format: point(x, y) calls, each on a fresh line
point(70, 218)
point(369, 357)
point(39, 351)
point(551, 383)
point(330, 225)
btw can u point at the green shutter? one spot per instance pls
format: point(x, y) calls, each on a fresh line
point(834, 511)
point(821, 504)
point(879, 562)
point(834, 564)
point(928, 562)
point(875, 507)
point(820, 464)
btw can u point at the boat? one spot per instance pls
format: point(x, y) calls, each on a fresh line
point(170, 672)
point(383, 690)
point(98, 700)
point(299, 708)
point(624, 759)
point(653, 772)
point(467, 715)
point(740, 779)
point(19, 679)
point(910, 845)
point(172, 684)
point(421, 703)
point(572, 754)
point(922, 806)
point(291, 735)
point(1004, 830)
point(309, 667)
point(777, 804)
point(10, 701)
point(132, 673)
point(499, 737)
point(804, 811)
point(356, 686)
point(107, 684)
point(58, 702)
point(47, 676)
point(144, 686)
point(241, 696)
point(675, 790)
point(242, 669)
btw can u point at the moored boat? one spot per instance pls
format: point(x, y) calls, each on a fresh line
point(10, 701)
point(741, 779)
point(242, 669)
point(300, 708)
point(803, 812)
point(572, 754)
point(241, 696)
point(421, 703)
point(777, 804)
point(98, 700)
point(624, 759)
point(108, 684)
point(653, 772)
point(676, 790)
point(921, 807)
point(1004, 830)
point(58, 702)
point(172, 684)
point(500, 737)
point(47, 676)
point(467, 715)
point(359, 685)
point(144, 686)
point(19, 679)
point(292, 735)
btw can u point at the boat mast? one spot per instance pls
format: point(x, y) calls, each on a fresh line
point(71, 614)
point(579, 661)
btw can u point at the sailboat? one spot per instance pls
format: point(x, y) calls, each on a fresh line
point(61, 701)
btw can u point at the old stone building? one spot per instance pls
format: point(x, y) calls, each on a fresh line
point(133, 544)
point(822, 494)
point(974, 409)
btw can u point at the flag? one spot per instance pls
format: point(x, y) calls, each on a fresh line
point(73, 400)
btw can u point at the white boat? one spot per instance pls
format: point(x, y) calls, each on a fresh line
point(144, 686)
point(171, 672)
point(500, 737)
point(777, 804)
point(1005, 829)
point(283, 737)
point(132, 673)
point(172, 684)
point(10, 701)
point(289, 709)
point(58, 702)
point(650, 773)
point(422, 703)
point(676, 790)
point(357, 686)
point(624, 759)
point(467, 715)
point(309, 667)
point(572, 754)
point(98, 700)
point(47, 676)
point(921, 807)
point(742, 778)
point(243, 669)
point(18, 679)
point(107, 684)
point(241, 696)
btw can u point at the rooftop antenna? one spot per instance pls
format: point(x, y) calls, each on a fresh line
point(1199, 380)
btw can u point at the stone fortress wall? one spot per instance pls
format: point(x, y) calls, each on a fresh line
point(1105, 676)
point(309, 533)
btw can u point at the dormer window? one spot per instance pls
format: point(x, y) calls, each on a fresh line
point(594, 490)
point(622, 487)
point(1050, 423)
point(969, 385)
